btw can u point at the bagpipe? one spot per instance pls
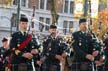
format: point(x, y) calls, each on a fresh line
point(99, 45)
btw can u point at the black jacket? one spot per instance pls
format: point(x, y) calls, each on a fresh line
point(83, 44)
point(17, 39)
point(52, 47)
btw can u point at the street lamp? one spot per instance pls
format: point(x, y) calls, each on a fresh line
point(88, 14)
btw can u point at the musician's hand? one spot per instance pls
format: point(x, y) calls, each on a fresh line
point(27, 55)
point(34, 51)
point(39, 62)
point(64, 55)
point(95, 53)
point(98, 63)
point(90, 57)
point(59, 57)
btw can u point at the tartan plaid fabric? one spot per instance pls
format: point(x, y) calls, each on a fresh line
point(87, 66)
point(105, 68)
point(50, 67)
point(76, 66)
point(81, 66)
point(2, 68)
point(21, 67)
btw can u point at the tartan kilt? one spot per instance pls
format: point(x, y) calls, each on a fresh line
point(81, 66)
point(106, 66)
point(2, 67)
point(21, 67)
point(50, 67)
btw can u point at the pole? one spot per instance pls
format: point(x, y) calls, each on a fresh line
point(90, 23)
point(86, 8)
point(11, 28)
point(33, 36)
point(18, 14)
point(90, 19)
point(94, 67)
point(33, 15)
point(90, 12)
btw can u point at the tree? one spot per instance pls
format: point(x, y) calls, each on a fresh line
point(100, 25)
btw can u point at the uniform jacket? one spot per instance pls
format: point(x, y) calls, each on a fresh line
point(52, 47)
point(83, 44)
point(17, 39)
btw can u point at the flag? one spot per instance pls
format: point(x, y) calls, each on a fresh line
point(79, 8)
point(94, 8)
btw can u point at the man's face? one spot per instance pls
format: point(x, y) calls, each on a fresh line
point(5, 44)
point(83, 26)
point(53, 31)
point(23, 25)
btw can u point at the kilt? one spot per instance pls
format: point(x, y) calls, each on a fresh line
point(2, 67)
point(50, 67)
point(21, 67)
point(105, 68)
point(82, 66)
point(38, 68)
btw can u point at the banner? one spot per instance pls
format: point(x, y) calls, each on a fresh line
point(79, 8)
point(94, 8)
point(5, 3)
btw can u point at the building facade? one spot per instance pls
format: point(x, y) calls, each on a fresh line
point(43, 19)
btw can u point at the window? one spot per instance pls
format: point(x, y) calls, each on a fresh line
point(66, 6)
point(14, 19)
point(23, 3)
point(48, 5)
point(15, 2)
point(65, 27)
point(42, 2)
point(71, 7)
point(41, 25)
point(70, 25)
point(47, 22)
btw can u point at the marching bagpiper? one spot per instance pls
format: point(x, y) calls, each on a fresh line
point(84, 49)
point(52, 51)
point(23, 47)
